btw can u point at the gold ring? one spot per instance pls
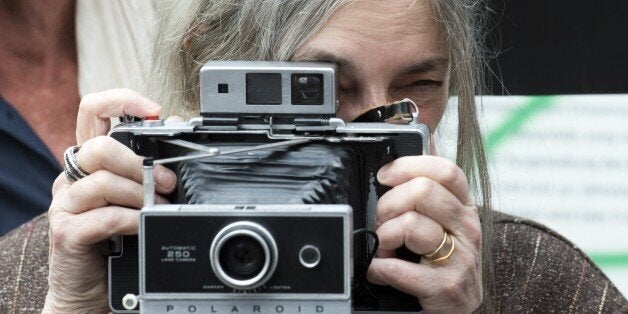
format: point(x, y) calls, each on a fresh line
point(431, 255)
point(446, 257)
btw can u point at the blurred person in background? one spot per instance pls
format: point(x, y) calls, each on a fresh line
point(52, 52)
point(39, 101)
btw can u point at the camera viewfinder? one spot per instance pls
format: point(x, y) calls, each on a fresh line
point(307, 89)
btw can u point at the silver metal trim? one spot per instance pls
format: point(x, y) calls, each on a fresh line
point(234, 74)
point(153, 123)
point(246, 306)
point(353, 131)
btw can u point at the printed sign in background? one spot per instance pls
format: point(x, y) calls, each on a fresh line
point(562, 161)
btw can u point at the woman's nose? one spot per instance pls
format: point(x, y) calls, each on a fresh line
point(374, 98)
point(364, 102)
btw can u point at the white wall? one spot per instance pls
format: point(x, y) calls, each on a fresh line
point(562, 161)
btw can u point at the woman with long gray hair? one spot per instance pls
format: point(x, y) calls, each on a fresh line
point(425, 50)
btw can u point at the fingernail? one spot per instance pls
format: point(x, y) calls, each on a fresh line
point(165, 178)
point(161, 200)
point(383, 172)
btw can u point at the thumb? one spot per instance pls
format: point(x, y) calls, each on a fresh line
point(96, 109)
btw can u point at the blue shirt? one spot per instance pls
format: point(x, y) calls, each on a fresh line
point(27, 171)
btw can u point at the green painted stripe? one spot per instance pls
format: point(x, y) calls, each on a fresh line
point(513, 123)
point(610, 259)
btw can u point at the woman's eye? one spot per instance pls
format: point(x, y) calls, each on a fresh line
point(417, 90)
point(344, 88)
point(424, 83)
point(345, 85)
point(347, 90)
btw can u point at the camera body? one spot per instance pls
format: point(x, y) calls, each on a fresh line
point(267, 168)
point(245, 259)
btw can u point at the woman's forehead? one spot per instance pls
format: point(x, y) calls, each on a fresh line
point(369, 17)
point(382, 35)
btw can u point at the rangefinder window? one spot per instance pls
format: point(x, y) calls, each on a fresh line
point(307, 89)
point(263, 89)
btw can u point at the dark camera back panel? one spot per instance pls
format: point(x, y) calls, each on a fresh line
point(290, 233)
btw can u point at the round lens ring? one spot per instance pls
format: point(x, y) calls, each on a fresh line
point(243, 255)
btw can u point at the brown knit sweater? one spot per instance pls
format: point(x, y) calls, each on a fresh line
point(536, 271)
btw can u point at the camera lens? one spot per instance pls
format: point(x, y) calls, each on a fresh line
point(243, 255)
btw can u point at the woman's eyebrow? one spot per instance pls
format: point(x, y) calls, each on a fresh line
point(440, 64)
point(313, 55)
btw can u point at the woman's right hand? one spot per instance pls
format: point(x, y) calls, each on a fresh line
point(85, 213)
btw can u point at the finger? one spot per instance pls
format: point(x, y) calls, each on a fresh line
point(438, 169)
point(457, 281)
point(96, 225)
point(419, 233)
point(105, 153)
point(434, 201)
point(96, 109)
point(60, 183)
point(426, 197)
point(102, 188)
point(174, 118)
point(415, 279)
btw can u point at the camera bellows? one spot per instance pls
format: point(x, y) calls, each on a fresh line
point(306, 174)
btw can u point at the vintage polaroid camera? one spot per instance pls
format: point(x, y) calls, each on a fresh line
point(275, 201)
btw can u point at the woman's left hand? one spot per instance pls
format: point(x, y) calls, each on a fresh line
point(429, 197)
